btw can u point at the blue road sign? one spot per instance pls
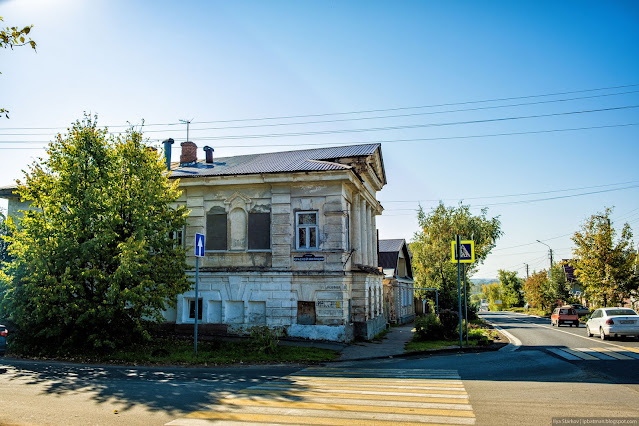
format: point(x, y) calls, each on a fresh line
point(467, 252)
point(199, 245)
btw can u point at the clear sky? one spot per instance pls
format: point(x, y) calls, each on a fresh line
point(472, 100)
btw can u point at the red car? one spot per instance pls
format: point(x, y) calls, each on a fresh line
point(564, 315)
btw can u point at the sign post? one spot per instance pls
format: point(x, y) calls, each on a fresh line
point(462, 252)
point(458, 250)
point(199, 252)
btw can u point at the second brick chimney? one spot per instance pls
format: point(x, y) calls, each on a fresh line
point(189, 154)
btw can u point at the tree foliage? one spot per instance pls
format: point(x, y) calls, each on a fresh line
point(493, 292)
point(11, 37)
point(4, 244)
point(536, 291)
point(511, 288)
point(93, 260)
point(605, 265)
point(558, 285)
point(431, 261)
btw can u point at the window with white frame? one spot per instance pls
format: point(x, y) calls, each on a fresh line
point(306, 230)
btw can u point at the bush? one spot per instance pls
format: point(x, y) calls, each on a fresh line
point(429, 327)
point(472, 313)
point(450, 323)
point(264, 339)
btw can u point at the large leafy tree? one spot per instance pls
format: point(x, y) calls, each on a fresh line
point(431, 247)
point(558, 285)
point(4, 244)
point(93, 260)
point(536, 289)
point(605, 265)
point(511, 288)
point(11, 37)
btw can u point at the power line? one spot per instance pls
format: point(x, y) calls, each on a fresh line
point(536, 199)
point(360, 111)
point(388, 141)
point(413, 126)
point(515, 195)
point(393, 116)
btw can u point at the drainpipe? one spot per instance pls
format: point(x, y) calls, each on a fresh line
point(167, 152)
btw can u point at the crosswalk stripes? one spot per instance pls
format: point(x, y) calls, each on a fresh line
point(596, 354)
point(338, 396)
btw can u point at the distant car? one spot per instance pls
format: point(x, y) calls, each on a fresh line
point(564, 315)
point(582, 311)
point(607, 322)
point(3, 339)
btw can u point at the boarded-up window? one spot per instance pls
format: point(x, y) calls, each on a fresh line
point(306, 313)
point(216, 230)
point(259, 231)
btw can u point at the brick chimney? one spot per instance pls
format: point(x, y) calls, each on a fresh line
point(189, 154)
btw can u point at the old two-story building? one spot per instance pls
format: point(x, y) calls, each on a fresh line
point(399, 286)
point(290, 240)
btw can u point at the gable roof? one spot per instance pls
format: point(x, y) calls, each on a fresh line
point(390, 245)
point(319, 159)
point(389, 255)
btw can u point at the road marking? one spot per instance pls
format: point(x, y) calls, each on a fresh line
point(564, 354)
point(549, 327)
point(614, 354)
point(593, 354)
point(331, 396)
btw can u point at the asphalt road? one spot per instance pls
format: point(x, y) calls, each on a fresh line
point(52, 393)
point(529, 384)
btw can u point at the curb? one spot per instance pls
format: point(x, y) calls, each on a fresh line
point(443, 351)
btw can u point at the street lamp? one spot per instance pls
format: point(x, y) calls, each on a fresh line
point(550, 251)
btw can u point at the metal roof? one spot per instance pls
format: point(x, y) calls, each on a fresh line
point(390, 246)
point(319, 159)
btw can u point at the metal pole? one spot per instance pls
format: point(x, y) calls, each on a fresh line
point(197, 311)
point(458, 254)
point(465, 301)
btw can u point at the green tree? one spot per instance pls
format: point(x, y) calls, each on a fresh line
point(536, 291)
point(494, 292)
point(11, 37)
point(4, 244)
point(558, 285)
point(605, 265)
point(511, 288)
point(431, 247)
point(93, 261)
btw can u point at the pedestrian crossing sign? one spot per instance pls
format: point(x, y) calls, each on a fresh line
point(467, 251)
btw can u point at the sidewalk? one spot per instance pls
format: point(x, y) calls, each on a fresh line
point(392, 345)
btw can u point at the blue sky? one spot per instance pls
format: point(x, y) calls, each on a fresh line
point(162, 61)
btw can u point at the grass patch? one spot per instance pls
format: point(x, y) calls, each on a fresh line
point(175, 351)
point(220, 353)
point(428, 345)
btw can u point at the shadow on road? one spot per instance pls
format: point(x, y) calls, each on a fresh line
point(170, 390)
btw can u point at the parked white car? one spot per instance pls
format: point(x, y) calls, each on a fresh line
point(607, 322)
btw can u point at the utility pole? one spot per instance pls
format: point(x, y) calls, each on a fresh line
point(550, 251)
point(527, 276)
point(187, 122)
